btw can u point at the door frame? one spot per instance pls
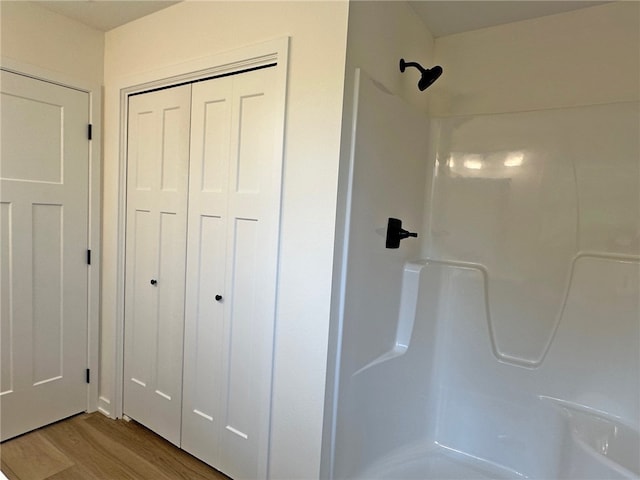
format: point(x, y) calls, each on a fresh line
point(94, 230)
point(248, 58)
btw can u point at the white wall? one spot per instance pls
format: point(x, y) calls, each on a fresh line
point(585, 57)
point(380, 34)
point(32, 35)
point(192, 30)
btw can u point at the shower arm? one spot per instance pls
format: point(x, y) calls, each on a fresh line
point(404, 65)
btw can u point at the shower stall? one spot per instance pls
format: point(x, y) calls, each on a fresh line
point(504, 341)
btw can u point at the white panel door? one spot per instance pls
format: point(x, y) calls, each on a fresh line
point(234, 201)
point(44, 202)
point(157, 182)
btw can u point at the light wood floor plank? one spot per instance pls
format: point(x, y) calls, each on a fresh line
point(143, 442)
point(8, 472)
point(104, 457)
point(94, 447)
point(44, 459)
point(77, 472)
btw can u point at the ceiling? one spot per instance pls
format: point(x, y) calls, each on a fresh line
point(105, 14)
point(441, 17)
point(449, 17)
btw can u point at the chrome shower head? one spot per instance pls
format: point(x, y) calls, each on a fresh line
point(429, 75)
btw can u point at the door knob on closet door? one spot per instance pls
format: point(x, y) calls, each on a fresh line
point(218, 298)
point(154, 282)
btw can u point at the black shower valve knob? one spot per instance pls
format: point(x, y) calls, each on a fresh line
point(395, 233)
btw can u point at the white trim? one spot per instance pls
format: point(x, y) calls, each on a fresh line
point(95, 208)
point(104, 406)
point(272, 51)
point(50, 76)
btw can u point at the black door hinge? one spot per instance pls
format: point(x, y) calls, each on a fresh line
point(88, 373)
point(88, 257)
point(90, 131)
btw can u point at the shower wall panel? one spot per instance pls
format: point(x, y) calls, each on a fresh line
point(535, 229)
point(387, 178)
point(523, 194)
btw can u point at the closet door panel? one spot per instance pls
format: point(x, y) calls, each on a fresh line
point(243, 337)
point(170, 306)
point(234, 135)
point(142, 299)
point(157, 183)
point(208, 328)
point(253, 216)
point(204, 336)
point(204, 314)
point(213, 134)
point(251, 140)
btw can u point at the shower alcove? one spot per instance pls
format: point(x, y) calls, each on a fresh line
point(503, 342)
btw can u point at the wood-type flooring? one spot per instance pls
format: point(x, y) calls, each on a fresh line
point(94, 447)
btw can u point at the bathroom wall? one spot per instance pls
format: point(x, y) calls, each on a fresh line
point(317, 30)
point(380, 34)
point(36, 36)
point(585, 57)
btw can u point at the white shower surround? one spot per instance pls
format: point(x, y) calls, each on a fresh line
point(512, 348)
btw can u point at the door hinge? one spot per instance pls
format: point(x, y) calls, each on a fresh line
point(88, 257)
point(90, 131)
point(88, 377)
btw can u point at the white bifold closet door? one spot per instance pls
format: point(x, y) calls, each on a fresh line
point(157, 183)
point(234, 199)
point(213, 266)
